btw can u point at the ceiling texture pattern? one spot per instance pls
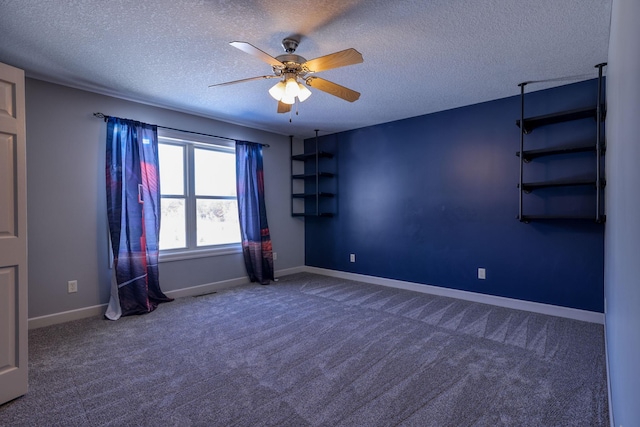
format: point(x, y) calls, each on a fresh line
point(420, 56)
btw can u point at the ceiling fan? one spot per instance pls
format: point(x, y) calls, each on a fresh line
point(291, 69)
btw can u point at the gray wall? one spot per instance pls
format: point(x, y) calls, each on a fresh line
point(67, 220)
point(622, 233)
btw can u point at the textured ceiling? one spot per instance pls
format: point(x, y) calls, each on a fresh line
point(419, 56)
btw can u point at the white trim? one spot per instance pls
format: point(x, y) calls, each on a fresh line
point(606, 361)
point(535, 307)
point(570, 313)
point(98, 310)
point(169, 255)
point(288, 271)
point(208, 288)
point(66, 316)
point(184, 137)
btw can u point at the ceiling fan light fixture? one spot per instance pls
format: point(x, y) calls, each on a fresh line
point(291, 88)
point(304, 93)
point(278, 91)
point(286, 99)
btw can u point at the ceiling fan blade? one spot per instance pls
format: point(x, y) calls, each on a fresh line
point(244, 80)
point(252, 50)
point(334, 60)
point(283, 108)
point(333, 89)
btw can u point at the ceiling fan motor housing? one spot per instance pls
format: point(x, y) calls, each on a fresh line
point(292, 64)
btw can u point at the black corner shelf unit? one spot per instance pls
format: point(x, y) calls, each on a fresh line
point(597, 146)
point(311, 181)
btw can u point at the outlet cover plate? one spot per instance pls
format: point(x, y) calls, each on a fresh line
point(72, 286)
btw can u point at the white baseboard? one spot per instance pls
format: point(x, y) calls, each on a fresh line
point(571, 313)
point(535, 307)
point(207, 288)
point(66, 316)
point(288, 271)
point(606, 361)
point(98, 310)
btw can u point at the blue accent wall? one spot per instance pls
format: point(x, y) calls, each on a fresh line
point(431, 199)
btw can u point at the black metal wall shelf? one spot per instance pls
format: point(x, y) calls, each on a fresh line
point(530, 218)
point(305, 195)
point(529, 155)
point(597, 181)
point(312, 175)
point(563, 116)
point(302, 214)
point(308, 156)
point(310, 181)
point(527, 187)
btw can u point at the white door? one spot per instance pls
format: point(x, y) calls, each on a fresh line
point(13, 236)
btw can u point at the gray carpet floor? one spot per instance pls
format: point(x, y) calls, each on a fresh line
point(311, 350)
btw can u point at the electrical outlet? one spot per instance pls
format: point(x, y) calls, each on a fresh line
point(482, 273)
point(275, 256)
point(352, 258)
point(72, 286)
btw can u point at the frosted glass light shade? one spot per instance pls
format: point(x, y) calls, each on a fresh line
point(291, 88)
point(286, 99)
point(277, 91)
point(304, 93)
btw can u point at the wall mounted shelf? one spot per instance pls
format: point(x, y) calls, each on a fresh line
point(529, 218)
point(308, 156)
point(313, 175)
point(305, 195)
point(322, 214)
point(311, 182)
point(532, 123)
point(596, 146)
point(530, 186)
point(529, 155)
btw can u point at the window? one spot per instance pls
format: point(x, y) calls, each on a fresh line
point(199, 206)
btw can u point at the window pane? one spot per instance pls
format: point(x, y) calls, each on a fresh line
point(171, 159)
point(217, 222)
point(172, 224)
point(215, 173)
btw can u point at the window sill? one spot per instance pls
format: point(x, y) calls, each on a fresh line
point(182, 254)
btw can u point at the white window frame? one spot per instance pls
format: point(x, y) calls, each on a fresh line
point(191, 141)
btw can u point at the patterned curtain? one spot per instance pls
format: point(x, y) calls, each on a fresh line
point(254, 231)
point(133, 209)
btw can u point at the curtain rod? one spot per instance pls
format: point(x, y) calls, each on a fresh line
point(105, 117)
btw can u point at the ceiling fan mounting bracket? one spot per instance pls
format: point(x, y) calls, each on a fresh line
point(290, 45)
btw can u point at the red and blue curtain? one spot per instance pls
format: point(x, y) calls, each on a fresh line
point(254, 230)
point(133, 210)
